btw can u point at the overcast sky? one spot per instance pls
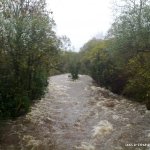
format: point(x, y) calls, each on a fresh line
point(80, 20)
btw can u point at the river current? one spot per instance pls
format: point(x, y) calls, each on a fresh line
point(78, 115)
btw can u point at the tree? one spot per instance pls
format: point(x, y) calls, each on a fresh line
point(131, 28)
point(74, 69)
point(28, 48)
point(131, 40)
point(138, 85)
point(121, 61)
point(65, 43)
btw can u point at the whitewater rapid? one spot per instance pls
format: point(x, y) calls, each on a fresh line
point(78, 115)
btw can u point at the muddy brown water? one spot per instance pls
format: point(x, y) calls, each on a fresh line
point(77, 115)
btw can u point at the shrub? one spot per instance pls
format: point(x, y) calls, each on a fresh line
point(138, 85)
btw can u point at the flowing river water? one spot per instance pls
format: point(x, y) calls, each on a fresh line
point(77, 115)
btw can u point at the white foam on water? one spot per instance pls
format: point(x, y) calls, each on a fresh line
point(31, 141)
point(103, 128)
point(116, 117)
point(85, 146)
point(93, 88)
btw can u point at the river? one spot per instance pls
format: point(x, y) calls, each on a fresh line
point(78, 115)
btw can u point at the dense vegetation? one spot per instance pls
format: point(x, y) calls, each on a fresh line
point(121, 61)
point(28, 52)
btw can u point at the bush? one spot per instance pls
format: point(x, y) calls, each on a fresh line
point(74, 70)
point(138, 85)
